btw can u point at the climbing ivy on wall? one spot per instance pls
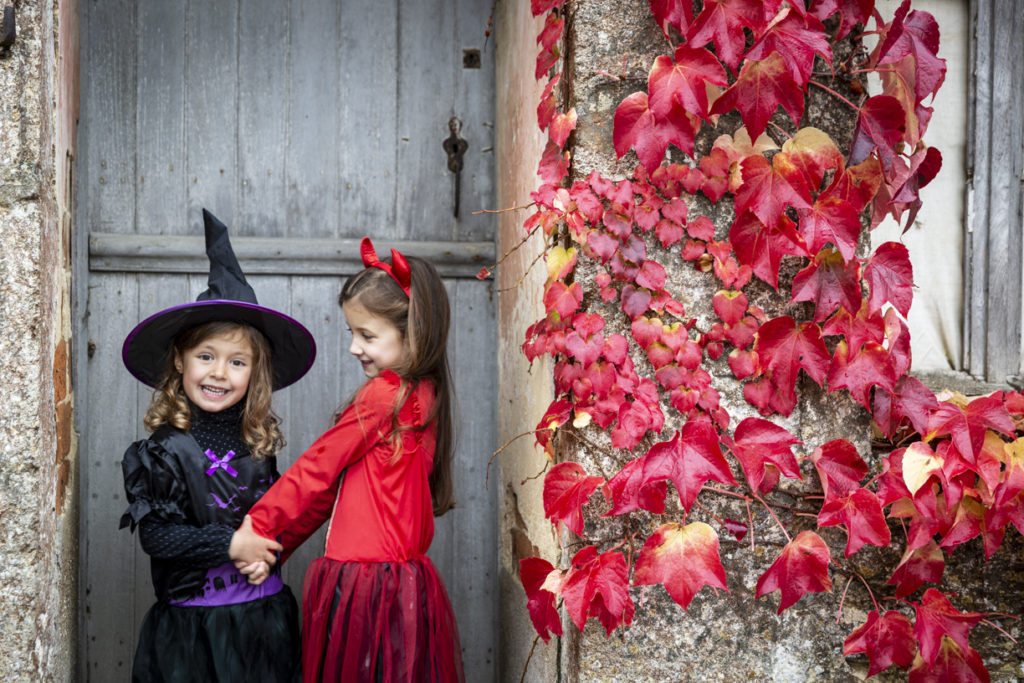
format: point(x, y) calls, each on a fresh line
point(953, 469)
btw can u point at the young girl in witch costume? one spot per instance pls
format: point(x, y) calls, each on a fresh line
point(374, 607)
point(214, 364)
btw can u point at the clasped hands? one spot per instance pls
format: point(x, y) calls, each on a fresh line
point(253, 554)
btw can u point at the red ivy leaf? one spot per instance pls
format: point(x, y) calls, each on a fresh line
point(668, 232)
point(652, 275)
point(558, 413)
point(784, 348)
point(856, 329)
point(722, 21)
point(814, 152)
point(562, 298)
point(839, 466)
point(548, 39)
point(801, 568)
point(602, 244)
point(911, 400)
point(890, 277)
point(833, 220)
point(533, 571)
point(539, 7)
point(683, 558)
point(761, 247)
point(917, 566)
point(829, 282)
point(689, 459)
point(683, 82)
point(561, 126)
point(880, 126)
point(636, 126)
point(551, 33)
point(853, 12)
point(861, 513)
point(737, 529)
point(951, 664)
point(797, 38)
point(871, 366)
point(554, 164)
point(759, 442)
point(917, 35)
point(628, 491)
point(936, 617)
point(635, 302)
point(598, 586)
point(567, 488)
point(761, 88)
point(676, 13)
point(729, 305)
point(856, 185)
point(548, 105)
point(967, 425)
point(768, 187)
point(886, 640)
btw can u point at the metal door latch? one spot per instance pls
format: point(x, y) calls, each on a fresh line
point(455, 147)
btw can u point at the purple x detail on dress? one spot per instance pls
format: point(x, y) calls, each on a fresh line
point(220, 463)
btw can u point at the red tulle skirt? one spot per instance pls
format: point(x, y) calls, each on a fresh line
point(378, 621)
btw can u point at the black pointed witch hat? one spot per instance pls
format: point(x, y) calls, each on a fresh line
point(228, 298)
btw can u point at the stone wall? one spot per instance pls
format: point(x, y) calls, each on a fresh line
point(38, 509)
point(610, 45)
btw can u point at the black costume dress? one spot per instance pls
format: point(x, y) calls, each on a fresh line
point(187, 493)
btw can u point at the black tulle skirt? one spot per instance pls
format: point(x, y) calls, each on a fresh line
point(250, 642)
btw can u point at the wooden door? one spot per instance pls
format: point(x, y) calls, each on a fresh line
point(303, 125)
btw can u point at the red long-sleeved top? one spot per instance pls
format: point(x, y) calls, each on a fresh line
point(383, 511)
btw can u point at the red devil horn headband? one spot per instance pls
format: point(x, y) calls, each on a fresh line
point(398, 269)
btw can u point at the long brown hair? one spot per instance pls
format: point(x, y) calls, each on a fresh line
point(260, 429)
point(423, 320)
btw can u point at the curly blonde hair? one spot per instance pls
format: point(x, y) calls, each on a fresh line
point(170, 405)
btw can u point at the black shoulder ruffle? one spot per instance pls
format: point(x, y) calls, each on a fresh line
point(153, 483)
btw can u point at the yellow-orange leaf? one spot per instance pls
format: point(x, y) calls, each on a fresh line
point(919, 463)
point(560, 262)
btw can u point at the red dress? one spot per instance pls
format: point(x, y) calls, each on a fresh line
point(374, 607)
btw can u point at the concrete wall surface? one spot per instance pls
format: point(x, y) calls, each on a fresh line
point(38, 511)
point(524, 391)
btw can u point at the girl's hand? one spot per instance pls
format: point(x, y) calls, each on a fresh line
point(248, 547)
point(257, 572)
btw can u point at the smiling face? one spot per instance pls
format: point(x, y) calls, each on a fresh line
point(376, 342)
point(215, 372)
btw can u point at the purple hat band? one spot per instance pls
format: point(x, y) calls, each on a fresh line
point(292, 347)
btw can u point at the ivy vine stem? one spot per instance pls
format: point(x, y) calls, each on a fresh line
point(774, 516)
point(842, 600)
point(830, 90)
point(487, 470)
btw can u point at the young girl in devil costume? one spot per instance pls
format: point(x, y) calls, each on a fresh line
point(374, 607)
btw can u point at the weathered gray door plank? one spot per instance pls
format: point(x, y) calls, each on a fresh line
point(110, 585)
point(426, 100)
point(211, 109)
point(367, 117)
point(468, 565)
point(477, 114)
point(313, 144)
point(262, 115)
point(158, 180)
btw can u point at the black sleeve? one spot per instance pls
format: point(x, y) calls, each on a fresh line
point(190, 546)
